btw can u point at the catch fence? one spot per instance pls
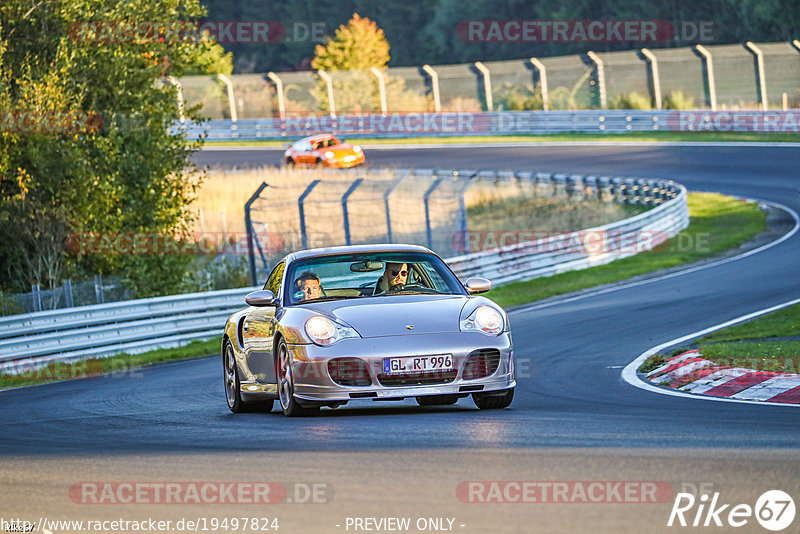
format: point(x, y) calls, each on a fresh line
point(426, 207)
point(725, 77)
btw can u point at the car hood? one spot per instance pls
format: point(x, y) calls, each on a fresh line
point(340, 149)
point(390, 315)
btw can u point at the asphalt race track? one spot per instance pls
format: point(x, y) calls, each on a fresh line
point(573, 417)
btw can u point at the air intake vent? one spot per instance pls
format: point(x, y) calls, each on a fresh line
point(417, 379)
point(481, 363)
point(349, 372)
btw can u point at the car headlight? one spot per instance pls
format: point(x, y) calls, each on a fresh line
point(484, 319)
point(356, 148)
point(329, 154)
point(323, 331)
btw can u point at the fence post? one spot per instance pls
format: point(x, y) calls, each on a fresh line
point(437, 102)
point(600, 76)
point(329, 82)
point(248, 227)
point(655, 79)
point(179, 96)
point(37, 298)
point(487, 84)
point(381, 89)
point(345, 215)
point(68, 302)
point(98, 289)
point(462, 226)
point(231, 97)
point(425, 198)
point(300, 201)
point(709, 64)
point(761, 78)
point(386, 194)
point(542, 82)
point(279, 89)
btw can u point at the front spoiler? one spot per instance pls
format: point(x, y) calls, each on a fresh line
point(312, 382)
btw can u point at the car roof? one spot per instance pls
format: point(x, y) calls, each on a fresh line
point(355, 249)
point(316, 137)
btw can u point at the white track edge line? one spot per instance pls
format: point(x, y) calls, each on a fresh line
point(629, 372)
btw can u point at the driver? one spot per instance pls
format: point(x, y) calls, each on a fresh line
point(394, 277)
point(308, 283)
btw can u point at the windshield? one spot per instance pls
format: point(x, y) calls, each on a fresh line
point(369, 275)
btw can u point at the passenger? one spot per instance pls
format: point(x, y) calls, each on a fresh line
point(309, 285)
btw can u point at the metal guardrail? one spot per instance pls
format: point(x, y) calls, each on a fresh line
point(97, 331)
point(441, 124)
point(585, 248)
point(106, 329)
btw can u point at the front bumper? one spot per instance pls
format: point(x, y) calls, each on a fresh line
point(312, 381)
point(339, 163)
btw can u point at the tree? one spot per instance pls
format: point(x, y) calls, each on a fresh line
point(123, 167)
point(359, 45)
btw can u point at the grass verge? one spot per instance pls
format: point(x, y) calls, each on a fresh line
point(718, 223)
point(113, 365)
point(700, 137)
point(755, 344)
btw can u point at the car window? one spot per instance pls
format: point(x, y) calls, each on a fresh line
point(274, 281)
point(358, 275)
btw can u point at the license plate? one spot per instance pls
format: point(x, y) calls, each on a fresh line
point(418, 364)
point(348, 159)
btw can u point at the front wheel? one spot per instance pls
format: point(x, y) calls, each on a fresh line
point(290, 406)
point(290, 162)
point(486, 401)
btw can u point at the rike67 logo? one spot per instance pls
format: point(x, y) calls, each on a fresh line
point(774, 510)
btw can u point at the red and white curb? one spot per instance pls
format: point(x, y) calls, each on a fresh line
point(745, 386)
point(691, 373)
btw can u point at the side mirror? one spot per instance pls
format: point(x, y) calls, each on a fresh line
point(478, 285)
point(261, 298)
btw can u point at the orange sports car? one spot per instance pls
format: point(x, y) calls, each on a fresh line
point(323, 150)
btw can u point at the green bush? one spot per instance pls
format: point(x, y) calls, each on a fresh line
point(510, 97)
point(678, 100)
point(631, 100)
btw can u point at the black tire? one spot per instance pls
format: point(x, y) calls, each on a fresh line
point(283, 371)
point(493, 402)
point(290, 162)
point(319, 164)
point(437, 400)
point(233, 392)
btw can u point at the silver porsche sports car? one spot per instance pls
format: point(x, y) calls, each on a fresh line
point(380, 322)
